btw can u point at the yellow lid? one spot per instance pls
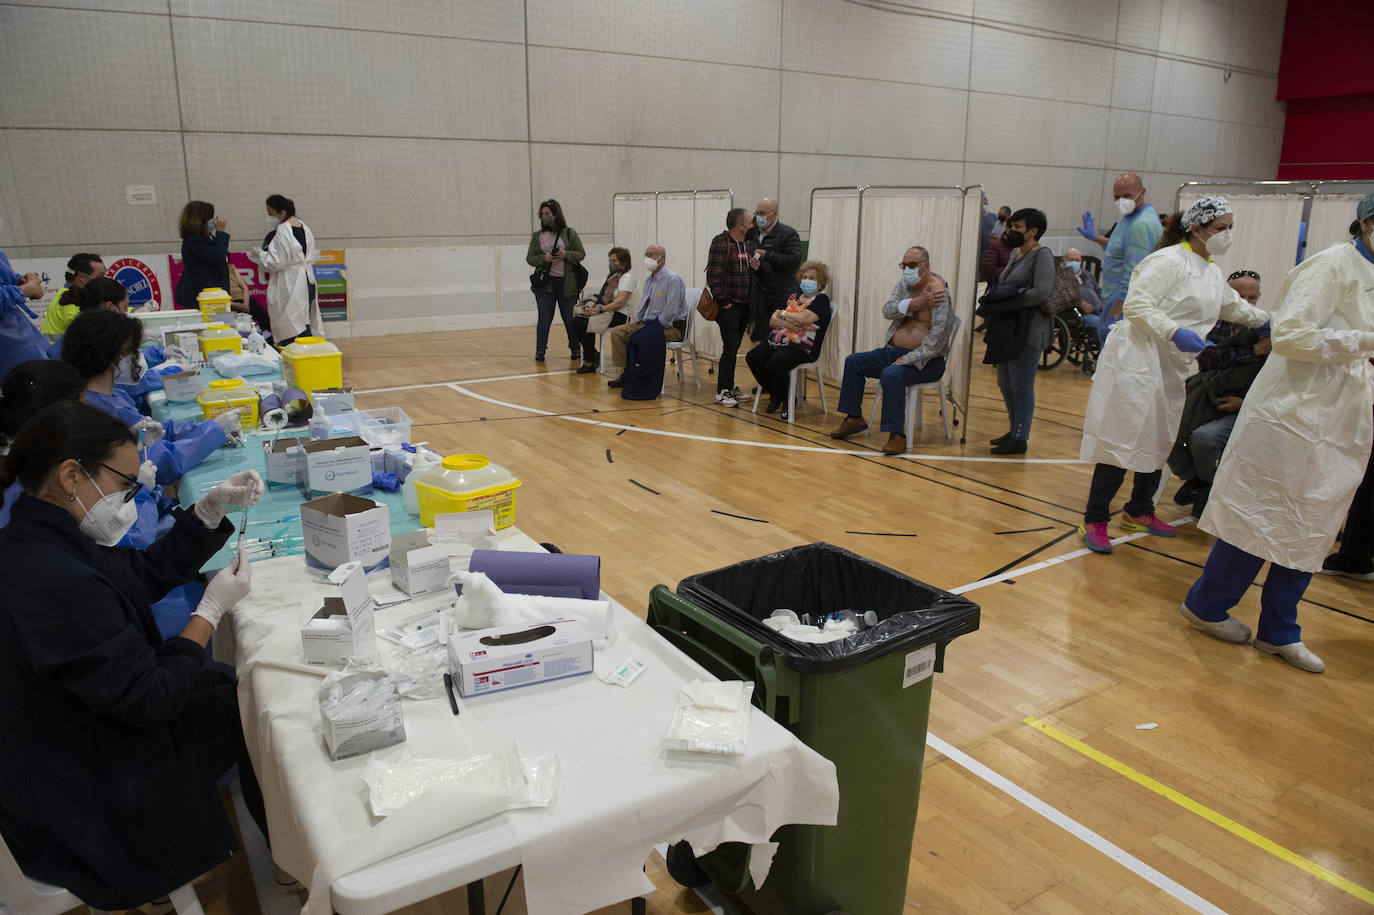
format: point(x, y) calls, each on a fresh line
point(213, 292)
point(465, 462)
point(226, 384)
point(218, 327)
point(309, 341)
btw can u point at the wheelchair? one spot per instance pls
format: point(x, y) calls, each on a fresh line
point(1072, 339)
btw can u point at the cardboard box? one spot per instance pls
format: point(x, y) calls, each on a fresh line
point(183, 387)
point(341, 528)
point(332, 400)
point(351, 728)
point(343, 627)
point(417, 567)
point(505, 657)
point(285, 461)
point(338, 465)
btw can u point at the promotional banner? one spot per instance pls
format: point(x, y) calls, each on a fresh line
point(331, 281)
point(144, 275)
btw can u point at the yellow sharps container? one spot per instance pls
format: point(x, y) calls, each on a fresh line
point(312, 364)
point(466, 483)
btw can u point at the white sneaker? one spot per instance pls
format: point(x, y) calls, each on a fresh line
point(1228, 630)
point(726, 399)
point(740, 396)
point(1295, 653)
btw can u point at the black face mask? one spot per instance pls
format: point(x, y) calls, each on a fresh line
point(1015, 239)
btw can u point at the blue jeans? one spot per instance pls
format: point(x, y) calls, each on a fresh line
point(1017, 379)
point(893, 379)
point(1206, 444)
point(545, 302)
point(1228, 572)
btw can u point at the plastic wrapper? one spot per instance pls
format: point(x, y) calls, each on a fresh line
point(711, 717)
point(528, 782)
point(239, 365)
point(360, 712)
point(419, 673)
point(821, 578)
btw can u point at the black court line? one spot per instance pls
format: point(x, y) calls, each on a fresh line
point(1254, 584)
point(622, 431)
point(671, 412)
point(717, 511)
point(642, 486)
point(882, 534)
point(1029, 530)
point(1016, 492)
point(1040, 549)
point(608, 457)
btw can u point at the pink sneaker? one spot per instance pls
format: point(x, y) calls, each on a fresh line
point(1150, 522)
point(1095, 536)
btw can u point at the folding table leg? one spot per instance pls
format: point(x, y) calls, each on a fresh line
point(477, 900)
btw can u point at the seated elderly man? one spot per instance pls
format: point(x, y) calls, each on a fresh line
point(922, 329)
point(1089, 295)
point(663, 298)
point(1226, 369)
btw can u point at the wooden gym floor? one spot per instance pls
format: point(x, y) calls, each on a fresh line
point(1088, 751)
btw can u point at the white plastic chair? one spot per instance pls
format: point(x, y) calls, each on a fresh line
point(21, 895)
point(686, 346)
point(913, 406)
point(799, 374)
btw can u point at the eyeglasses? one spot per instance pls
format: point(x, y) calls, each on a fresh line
point(912, 264)
point(135, 484)
point(1239, 274)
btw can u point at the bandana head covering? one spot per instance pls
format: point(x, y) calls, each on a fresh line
point(1365, 208)
point(1204, 211)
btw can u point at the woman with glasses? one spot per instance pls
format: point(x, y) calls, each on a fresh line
point(556, 255)
point(103, 347)
point(113, 738)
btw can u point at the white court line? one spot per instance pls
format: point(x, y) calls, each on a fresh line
point(444, 384)
point(1074, 828)
point(775, 446)
point(1045, 564)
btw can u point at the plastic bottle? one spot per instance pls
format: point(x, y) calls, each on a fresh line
point(419, 463)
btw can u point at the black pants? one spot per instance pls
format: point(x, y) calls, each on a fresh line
point(731, 322)
point(759, 313)
point(770, 365)
point(212, 714)
point(1107, 480)
point(579, 328)
point(1357, 543)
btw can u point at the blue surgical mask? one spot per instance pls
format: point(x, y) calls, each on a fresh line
point(809, 287)
point(761, 222)
point(911, 275)
point(1075, 266)
point(210, 224)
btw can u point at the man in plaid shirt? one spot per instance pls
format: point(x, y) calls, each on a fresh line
point(728, 276)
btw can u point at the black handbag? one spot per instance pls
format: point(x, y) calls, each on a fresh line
point(540, 277)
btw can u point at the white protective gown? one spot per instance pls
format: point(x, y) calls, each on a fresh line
point(1302, 438)
point(291, 273)
point(1138, 388)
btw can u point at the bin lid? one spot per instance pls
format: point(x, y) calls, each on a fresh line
point(821, 578)
point(226, 384)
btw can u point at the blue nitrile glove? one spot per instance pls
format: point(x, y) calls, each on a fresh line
point(1089, 229)
point(1187, 341)
point(1264, 330)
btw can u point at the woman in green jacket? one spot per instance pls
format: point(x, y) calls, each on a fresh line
point(555, 246)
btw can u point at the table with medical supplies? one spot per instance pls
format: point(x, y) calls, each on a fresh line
point(620, 791)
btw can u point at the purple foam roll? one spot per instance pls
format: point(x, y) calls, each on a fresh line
point(543, 574)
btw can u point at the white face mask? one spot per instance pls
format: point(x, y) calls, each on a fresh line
point(272, 220)
point(1219, 243)
point(650, 264)
point(1125, 206)
point(108, 520)
point(131, 369)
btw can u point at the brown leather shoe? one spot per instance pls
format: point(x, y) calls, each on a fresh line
point(849, 426)
point(896, 444)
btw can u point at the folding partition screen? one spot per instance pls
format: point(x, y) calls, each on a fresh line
point(861, 234)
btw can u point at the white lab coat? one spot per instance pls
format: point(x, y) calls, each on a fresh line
point(1302, 438)
point(1138, 388)
point(291, 274)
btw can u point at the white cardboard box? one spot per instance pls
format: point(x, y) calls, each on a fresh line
point(505, 657)
point(285, 461)
point(338, 465)
point(340, 528)
point(361, 728)
point(417, 567)
point(183, 387)
point(344, 626)
point(332, 400)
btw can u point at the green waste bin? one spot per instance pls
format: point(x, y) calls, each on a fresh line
point(862, 702)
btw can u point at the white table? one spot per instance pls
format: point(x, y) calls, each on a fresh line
point(620, 793)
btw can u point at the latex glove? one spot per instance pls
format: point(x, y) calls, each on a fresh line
point(1088, 230)
point(229, 421)
point(149, 430)
point(147, 474)
point(242, 490)
point(229, 586)
point(1187, 341)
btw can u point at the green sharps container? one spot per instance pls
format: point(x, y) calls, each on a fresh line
point(862, 702)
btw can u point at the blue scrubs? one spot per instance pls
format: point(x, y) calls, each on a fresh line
point(186, 443)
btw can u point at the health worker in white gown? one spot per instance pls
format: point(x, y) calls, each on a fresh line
point(1176, 295)
point(288, 254)
point(1298, 452)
